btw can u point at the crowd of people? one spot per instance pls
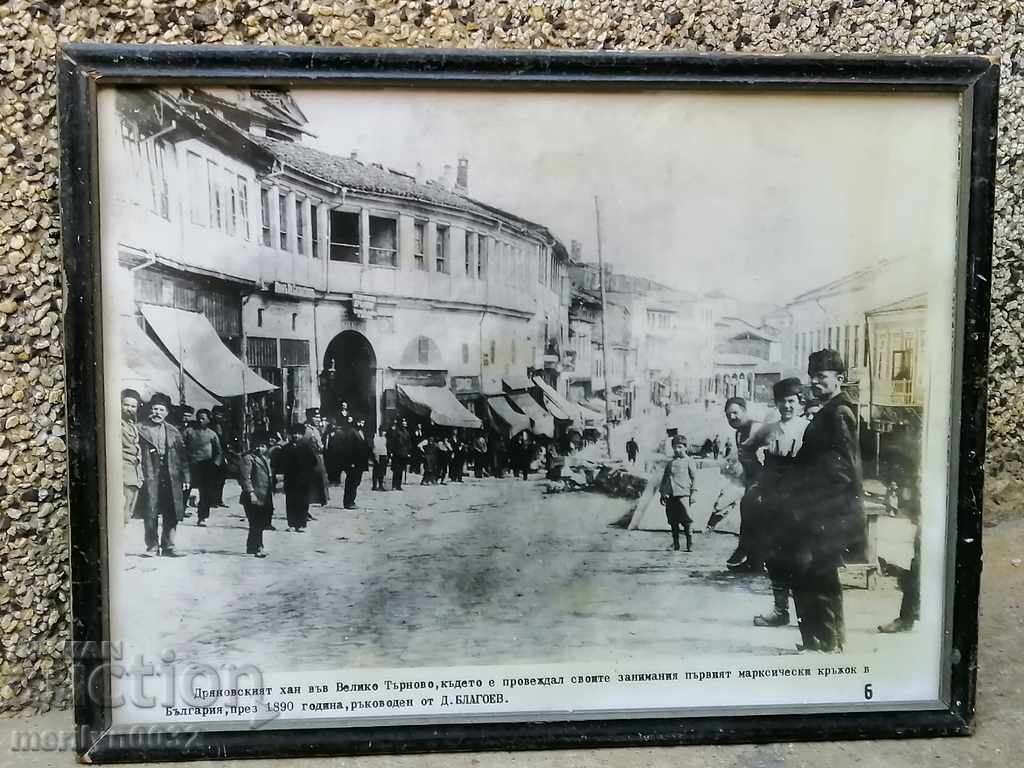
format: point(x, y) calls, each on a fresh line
point(174, 459)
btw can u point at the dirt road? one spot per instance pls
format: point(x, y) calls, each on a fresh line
point(490, 571)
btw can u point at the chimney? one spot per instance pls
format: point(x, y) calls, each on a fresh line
point(446, 177)
point(462, 176)
point(576, 250)
point(421, 177)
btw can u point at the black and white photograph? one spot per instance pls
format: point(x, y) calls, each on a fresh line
point(431, 405)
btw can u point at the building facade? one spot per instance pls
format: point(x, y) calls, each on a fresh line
point(335, 280)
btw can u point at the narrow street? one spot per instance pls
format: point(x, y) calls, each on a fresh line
point(489, 571)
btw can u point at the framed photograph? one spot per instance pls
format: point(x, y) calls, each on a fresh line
point(448, 400)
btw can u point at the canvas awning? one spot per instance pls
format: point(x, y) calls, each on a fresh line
point(193, 342)
point(148, 370)
point(440, 404)
point(557, 405)
point(516, 382)
point(516, 421)
point(541, 420)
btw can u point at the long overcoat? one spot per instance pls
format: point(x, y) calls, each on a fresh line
point(177, 467)
point(830, 495)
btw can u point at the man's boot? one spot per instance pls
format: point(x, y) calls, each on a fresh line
point(779, 617)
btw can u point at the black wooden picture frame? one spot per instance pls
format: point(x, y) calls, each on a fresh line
point(84, 69)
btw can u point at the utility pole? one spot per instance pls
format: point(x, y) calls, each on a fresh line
point(604, 332)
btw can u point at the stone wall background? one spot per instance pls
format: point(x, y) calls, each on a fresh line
point(34, 588)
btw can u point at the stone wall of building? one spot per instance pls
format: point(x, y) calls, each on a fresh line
point(34, 593)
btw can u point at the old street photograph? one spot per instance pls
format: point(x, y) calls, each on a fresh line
point(431, 378)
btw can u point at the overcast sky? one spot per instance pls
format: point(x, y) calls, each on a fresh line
point(762, 196)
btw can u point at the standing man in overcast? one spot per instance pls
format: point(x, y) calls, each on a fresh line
point(165, 474)
point(830, 506)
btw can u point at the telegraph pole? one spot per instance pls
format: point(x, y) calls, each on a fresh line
point(604, 332)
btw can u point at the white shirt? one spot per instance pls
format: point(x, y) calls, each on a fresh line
point(380, 445)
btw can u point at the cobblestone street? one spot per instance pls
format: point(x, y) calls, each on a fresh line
point(489, 571)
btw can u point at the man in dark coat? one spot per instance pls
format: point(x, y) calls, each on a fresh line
point(165, 476)
point(632, 449)
point(829, 506)
point(257, 481)
point(297, 461)
point(400, 447)
point(355, 456)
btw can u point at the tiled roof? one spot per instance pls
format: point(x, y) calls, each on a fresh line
point(367, 177)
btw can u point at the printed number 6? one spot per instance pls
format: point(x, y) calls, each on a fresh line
point(868, 693)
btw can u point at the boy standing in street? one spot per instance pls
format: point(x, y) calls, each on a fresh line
point(678, 484)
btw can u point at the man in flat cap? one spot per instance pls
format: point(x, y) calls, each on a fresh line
point(830, 509)
point(779, 442)
point(165, 475)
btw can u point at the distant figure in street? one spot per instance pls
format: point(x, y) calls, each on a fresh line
point(318, 492)
point(747, 555)
point(632, 449)
point(415, 454)
point(165, 475)
point(131, 455)
point(205, 458)
point(678, 484)
point(458, 459)
point(297, 462)
point(522, 455)
point(333, 449)
point(356, 454)
point(831, 522)
point(444, 457)
point(380, 459)
point(716, 447)
point(480, 451)
point(430, 460)
point(220, 476)
point(399, 450)
point(257, 481)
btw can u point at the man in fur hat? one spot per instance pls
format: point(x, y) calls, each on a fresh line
point(829, 505)
point(165, 476)
point(779, 442)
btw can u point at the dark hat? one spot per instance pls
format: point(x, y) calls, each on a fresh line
point(825, 360)
point(159, 398)
point(678, 440)
point(190, 409)
point(740, 401)
point(787, 387)
point(201, 411)
point(129, 392)
point(672, 430)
